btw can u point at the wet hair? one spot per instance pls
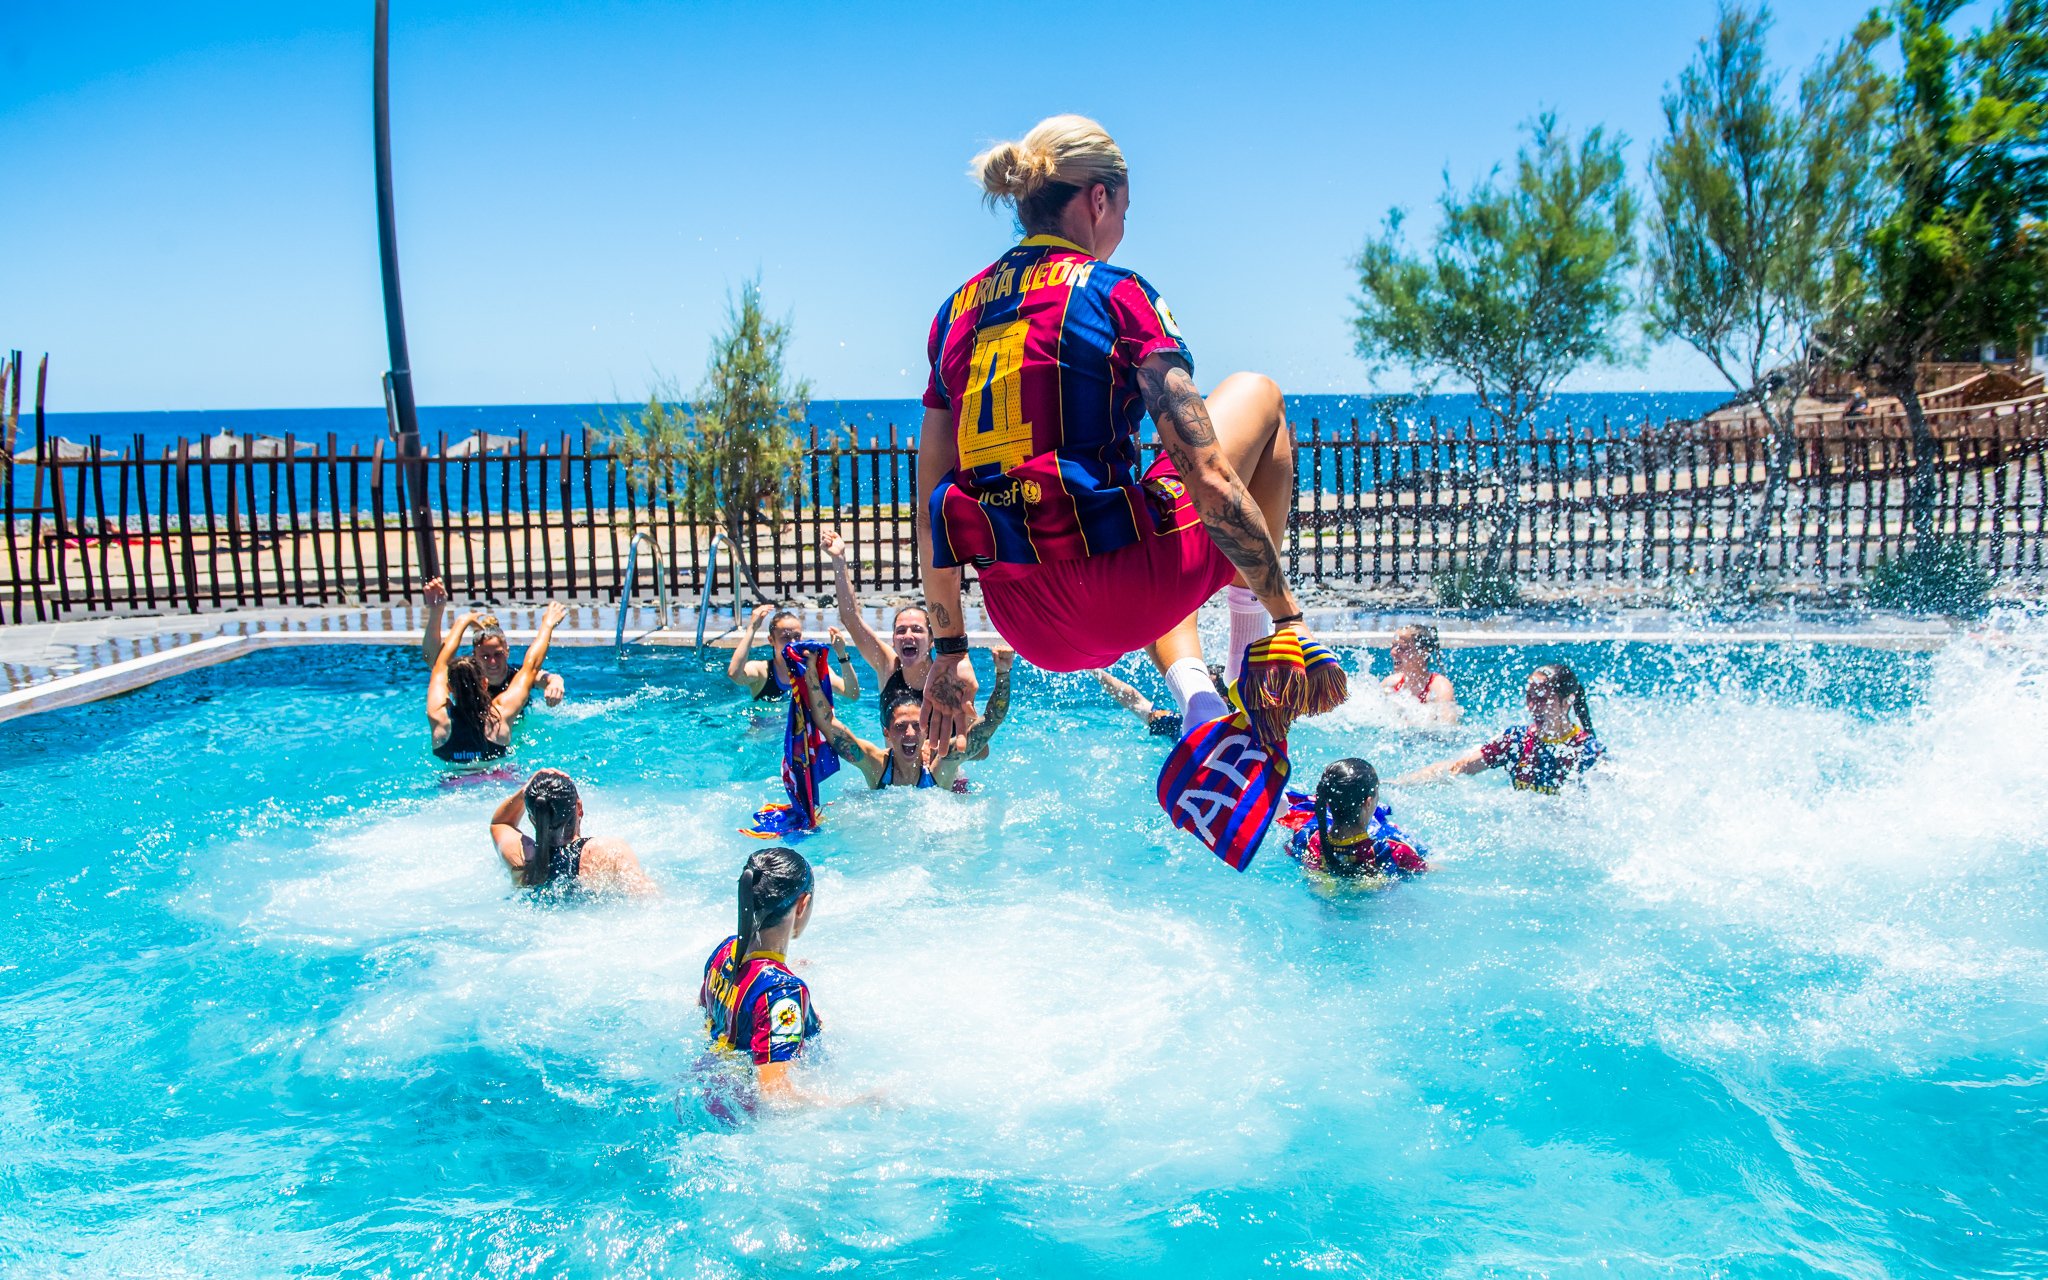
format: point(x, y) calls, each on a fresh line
point(1343, 795)
point(551, 802)
point(913, 608)
point(1037, 175)
point(780, 614)
point(486, 627)
point(1426, 641)
point(897, 700)
point(770, 884)
point(471, 692)
point(1216, 670)
point(1566, 681)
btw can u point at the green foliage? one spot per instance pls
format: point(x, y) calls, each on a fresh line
point(1523, 284)
point(1960, 255)
point(1758, 200)
point(1475, 586)
point(1937, 577)
point(732, 453)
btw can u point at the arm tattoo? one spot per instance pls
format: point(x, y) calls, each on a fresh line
point(992, 717)
point(1236, 526)
point(942, 615)
point(843, 742)
point(1175, 404)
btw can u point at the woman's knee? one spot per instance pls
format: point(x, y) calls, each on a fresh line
point(1255, 389)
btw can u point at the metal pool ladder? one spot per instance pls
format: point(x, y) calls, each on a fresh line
point(740, 571)
point(660, 587)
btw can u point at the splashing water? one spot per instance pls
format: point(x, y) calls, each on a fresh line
point(1766, 997)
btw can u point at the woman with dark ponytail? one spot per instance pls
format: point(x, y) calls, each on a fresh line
point(558, 852)
point(1344, 831)
point(752, 1003)
point(1555, 746)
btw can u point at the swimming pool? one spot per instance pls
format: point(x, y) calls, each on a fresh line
point(1767, 999)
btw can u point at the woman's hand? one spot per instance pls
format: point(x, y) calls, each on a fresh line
point(948, 701)
point(436, 593)
point(552, 690)
point(552, 616)
point(838, 639)
point(759, 615)
point(833, 546)
point(1003, 655)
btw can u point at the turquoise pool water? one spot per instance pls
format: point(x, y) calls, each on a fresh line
point(1768, 999)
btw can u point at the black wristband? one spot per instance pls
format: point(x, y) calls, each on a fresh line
point(1292, 617)
point(950, 645)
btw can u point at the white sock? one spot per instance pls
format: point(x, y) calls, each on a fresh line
point(1248, 622)
point(1194, 692)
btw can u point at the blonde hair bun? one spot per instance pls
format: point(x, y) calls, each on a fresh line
point(1066, 151)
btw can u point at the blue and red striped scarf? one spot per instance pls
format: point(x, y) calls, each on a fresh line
point(1227, 779)
point(807, 758)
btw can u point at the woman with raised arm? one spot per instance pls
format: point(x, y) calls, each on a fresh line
point(901, 760)
point(1555, 746)
point(1042, 367)
point(558, 853)
point(763, 677)
point(489, 648)
point(906, 660)
point(468, 725)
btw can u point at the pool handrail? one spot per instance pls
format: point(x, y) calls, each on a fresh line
point(626, 588)
point(741, 571)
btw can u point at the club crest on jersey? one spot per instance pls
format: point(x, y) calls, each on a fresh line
point(785, 1019)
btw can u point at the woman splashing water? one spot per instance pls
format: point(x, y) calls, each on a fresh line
point(1042, 367)
point(1555, 746)
point(558, 853)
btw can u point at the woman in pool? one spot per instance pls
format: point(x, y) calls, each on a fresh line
point(558, 852)
point(760, 677)
point(1555, 746)
point(470, 725)
point(753, 1004)
point(902, 762)
point(1345, 832)
point(906, 660)
point(1042, 367)
point(1416, 679)
point(489, 647)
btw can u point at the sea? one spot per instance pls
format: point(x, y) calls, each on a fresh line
point(870, 421)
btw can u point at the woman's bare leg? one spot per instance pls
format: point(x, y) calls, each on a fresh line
point(1181, 642)
point(1250, 418)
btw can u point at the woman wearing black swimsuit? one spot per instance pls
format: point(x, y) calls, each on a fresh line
point(558, 852)
point(468, 724)
point(759, 676)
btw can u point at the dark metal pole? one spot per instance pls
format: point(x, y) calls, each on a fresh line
point(400, 377)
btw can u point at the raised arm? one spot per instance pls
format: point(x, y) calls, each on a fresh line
point(847, 745)
point(508, 703)
point(949, 690)
point(511, 843)
point(1127, 696)
point(430, 635)
point(863, 635)
point(849, 678)
point(984, 729)
point(437, 682)
point(736, 668)
point(1233, 520)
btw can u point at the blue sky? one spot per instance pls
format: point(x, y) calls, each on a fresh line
point(189, 219)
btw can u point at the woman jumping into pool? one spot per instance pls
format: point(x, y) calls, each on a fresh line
point(1345, 832)
point(1416, 681)
point(1555, 746)
point(558, 853)
point(761, 676)
point(1042, 367)
point(753, 1004)
point(469, 725)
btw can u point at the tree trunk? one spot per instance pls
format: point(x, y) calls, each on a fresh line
point(1780, 443)
point(1920, 490)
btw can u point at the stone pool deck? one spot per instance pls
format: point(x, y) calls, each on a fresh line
point(61, 664)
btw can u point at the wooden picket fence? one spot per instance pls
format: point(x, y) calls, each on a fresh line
point(1603, 508)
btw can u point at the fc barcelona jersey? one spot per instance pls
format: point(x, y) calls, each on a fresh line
point(1037, 359)
point(762, 1010)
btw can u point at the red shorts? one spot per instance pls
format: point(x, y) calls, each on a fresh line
point(1074, 615)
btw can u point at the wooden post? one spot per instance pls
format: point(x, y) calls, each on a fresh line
point(187, 553)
